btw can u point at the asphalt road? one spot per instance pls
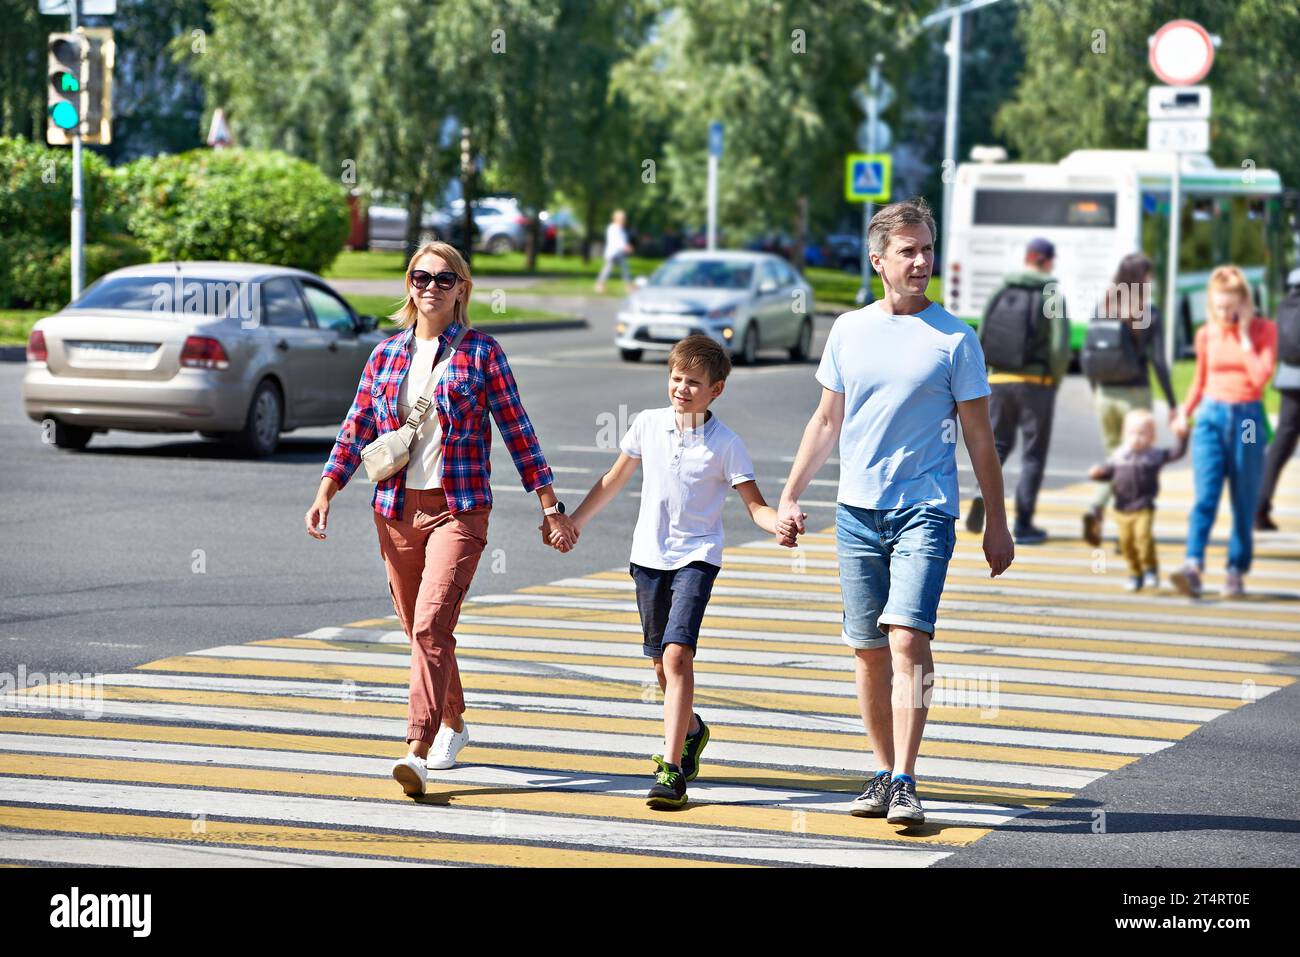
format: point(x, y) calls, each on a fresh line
point(147, 546)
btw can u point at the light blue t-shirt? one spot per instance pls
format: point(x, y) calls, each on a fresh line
point(902, 377)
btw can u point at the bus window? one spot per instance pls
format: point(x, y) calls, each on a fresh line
point(1000, 207)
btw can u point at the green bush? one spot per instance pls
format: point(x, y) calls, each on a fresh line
point(36, 192)
point(37, 275)
point(235, 204)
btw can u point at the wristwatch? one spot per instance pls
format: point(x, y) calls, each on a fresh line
point(556, 509)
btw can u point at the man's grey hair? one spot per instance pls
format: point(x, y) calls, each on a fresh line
point(912, 212)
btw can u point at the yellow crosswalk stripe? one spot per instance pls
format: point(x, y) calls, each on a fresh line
point(573, 803)
point(326, 840)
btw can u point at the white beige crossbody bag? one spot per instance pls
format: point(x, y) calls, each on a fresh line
point(389, 453)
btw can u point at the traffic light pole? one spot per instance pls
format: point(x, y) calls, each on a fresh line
point(78, 202)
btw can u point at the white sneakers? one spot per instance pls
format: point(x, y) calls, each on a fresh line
point(412, 772)
point(445, 747)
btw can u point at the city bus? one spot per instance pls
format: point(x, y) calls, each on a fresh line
point(1097, 206)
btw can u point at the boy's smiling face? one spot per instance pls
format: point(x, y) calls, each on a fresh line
point(689, 390)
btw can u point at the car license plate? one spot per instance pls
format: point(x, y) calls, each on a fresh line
point(663, 330)
point(131, 348)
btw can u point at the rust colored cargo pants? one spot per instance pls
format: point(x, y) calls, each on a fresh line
point(430, 555)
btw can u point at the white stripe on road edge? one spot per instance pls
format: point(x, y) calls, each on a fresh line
point(530, 780)
point(602, 708)
point(38, 848)
point(453, 822)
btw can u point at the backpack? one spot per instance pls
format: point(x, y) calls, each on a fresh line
point(1288, 328)
point(1110, 353)
point(1012, 328)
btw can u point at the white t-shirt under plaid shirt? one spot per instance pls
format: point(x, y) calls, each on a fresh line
point(685, 477)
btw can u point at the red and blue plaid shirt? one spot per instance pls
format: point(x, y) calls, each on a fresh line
point(477, 380)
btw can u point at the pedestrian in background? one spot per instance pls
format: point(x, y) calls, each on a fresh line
point(1125, 341)
point(1134, 474)
point(431, 514)
point(617, 249)
point(1025, 336)
point(1287, 382)
point(1235, 355)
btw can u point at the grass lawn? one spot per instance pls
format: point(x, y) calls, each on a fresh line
point(570, 276)
point(479, 312)
point(15, 324)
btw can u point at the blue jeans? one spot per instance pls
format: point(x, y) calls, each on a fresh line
point(1227, 442)
point(893, 563)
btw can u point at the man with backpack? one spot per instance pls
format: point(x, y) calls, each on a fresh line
point(1287, 382)
point(1026, 340)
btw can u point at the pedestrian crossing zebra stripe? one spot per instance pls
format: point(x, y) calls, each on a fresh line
point(397, 817)
point(622, 799)
point(1150, 714)
point(524, 708)
point(522, 759)
point(1081, 674)
point(220, 837)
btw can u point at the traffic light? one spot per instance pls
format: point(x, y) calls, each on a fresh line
point(81, 86)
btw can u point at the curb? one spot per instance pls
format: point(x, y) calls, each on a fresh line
point(19, 353)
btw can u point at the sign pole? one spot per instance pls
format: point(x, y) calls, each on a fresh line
point(78, 202)
point(715, 151)
point(1175, 239)
point(950, 120)
point(869, 208)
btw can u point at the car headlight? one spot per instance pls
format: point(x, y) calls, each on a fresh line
point(725, 312)
point(620, 328)
point(728, 332)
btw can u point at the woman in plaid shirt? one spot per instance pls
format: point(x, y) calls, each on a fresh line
point(432, 515)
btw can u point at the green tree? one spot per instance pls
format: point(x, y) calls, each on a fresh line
point(1086, 74)
point(779, 76)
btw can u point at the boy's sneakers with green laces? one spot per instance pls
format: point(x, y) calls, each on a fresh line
point(692, 749)
point(669, 790)
point(904, 807)
point(874, 798)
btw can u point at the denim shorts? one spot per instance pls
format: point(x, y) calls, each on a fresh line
point(672, 603)
point(893, 563)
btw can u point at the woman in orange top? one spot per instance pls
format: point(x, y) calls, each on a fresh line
point(1235, 354)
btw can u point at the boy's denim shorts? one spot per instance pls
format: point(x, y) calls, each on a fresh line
point(893, 563)
point(672, 603)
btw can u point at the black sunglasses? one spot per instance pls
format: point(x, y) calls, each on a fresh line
point(444, 280)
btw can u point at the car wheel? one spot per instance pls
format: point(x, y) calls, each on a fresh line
point(500, 245)
point(630, 355)
point(73, 437)
point(261, 432)
point(802, 347)
point(749, 346)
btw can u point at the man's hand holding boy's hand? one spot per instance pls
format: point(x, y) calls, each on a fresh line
point(787, 532)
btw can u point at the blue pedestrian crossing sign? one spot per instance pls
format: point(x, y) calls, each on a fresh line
point(867, 177)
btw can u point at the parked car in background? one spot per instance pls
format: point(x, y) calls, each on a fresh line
point(234, 351)
point(502, 226)
point(386, 225)
point(746, 301)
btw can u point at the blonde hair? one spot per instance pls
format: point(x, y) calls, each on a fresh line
point(406, 314)
point(1136, 417)
point(1226, 279)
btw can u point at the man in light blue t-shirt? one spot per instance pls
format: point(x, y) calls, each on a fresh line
point(897, 377)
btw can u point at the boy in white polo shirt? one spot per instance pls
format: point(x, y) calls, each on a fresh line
point(690, 460)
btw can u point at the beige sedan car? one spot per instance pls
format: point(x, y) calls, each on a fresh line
point(235, 351)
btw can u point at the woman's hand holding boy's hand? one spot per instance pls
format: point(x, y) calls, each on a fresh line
point(559, 532)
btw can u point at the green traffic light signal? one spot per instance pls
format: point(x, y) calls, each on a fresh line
point(64, 116)
point(68, 83)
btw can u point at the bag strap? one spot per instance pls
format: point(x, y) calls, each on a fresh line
point(425, 401)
